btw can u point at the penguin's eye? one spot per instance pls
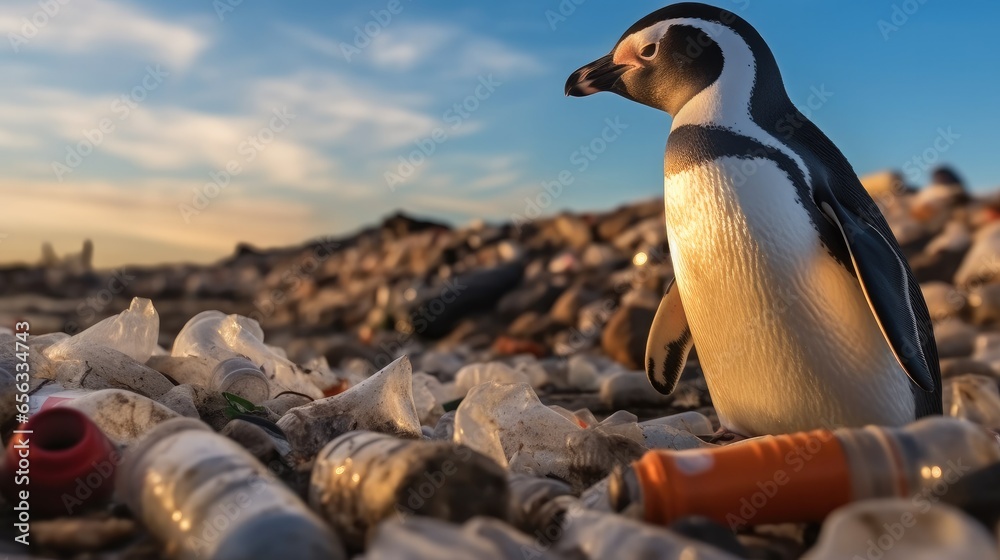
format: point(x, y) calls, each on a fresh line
point(648, 52)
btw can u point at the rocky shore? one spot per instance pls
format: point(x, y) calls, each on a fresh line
point(520, 326)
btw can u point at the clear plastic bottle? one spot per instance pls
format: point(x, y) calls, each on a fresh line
point(122, 415)
point(132, 332)
point(362, 478)
point(204, 496)
point(228, 342)
point(802, 476)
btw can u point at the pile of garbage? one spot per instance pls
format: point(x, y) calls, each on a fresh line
point(469, 393)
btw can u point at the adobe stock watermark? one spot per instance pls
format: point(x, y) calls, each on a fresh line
point(922, 162)
point(565, 9)
point(427, 313)
point(562, 12)
point(301, 270)
point(795, 461)
point(364, 34)
point(549, 534)
point(122, 108)
point(248, 151)
point(423, 489)
point(921, 504)
point(426, 146)
point(900, 16)
point(585, 334)
point(85, 487)
point(818, 97)
point(581, 159)
point(32, 25)
point(223, 7)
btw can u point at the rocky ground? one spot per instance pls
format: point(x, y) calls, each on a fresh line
point(563, 302)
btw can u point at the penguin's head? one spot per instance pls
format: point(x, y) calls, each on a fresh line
point(670, 56)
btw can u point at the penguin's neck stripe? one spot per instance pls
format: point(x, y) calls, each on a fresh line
point(727, 102)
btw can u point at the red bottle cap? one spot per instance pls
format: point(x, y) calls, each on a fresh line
point(58, 463)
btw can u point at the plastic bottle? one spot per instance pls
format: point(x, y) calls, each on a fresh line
point(132, 332)
point(228, 342)
point(123, 416)
point(803, 476)
point(898, 529)
point(362, 478)
point(537, 503)
point(204, 496)
point(383, 402)
point(63, 460)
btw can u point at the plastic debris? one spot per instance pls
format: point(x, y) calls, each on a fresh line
point(482, 538)
point(538, 503)
point(238, 342)
point(132, 332)
point(284, 402)
point(691, 422)
point(508, 424)
point(101, 367)
point(898, 529)
point(596, 535)
point(383, 403)
point(803, 476)
point(122, 416)
point(974, 398)
point(71, 464)
point(477, 374)
point(204, 496)
point(361, 478)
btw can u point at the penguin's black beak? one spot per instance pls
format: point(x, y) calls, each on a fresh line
point(600, 75)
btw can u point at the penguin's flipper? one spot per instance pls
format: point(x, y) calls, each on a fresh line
point(888, 284)
point(669, 342)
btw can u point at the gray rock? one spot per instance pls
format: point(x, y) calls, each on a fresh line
point(566, 309)
point(984, 301)
point(943, 300)
point(573, 230)
point(954, 338)
point(951, 367)
point(981, 263)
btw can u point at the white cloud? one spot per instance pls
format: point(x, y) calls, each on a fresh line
point(83, 26)
point(452, 52)
point(162, 138)
point(404, 47)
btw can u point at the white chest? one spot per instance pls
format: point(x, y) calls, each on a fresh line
point(784, 333)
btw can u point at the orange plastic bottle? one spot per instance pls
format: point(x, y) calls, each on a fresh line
point(803, 476)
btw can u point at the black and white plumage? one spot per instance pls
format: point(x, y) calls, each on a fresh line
point(787, 278)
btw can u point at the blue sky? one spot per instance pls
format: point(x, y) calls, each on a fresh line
point(261, 126)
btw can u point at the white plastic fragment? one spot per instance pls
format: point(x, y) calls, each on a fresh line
point(132, 332)
point(381, 403)
point(898, 529)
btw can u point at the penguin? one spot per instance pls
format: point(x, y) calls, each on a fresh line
point(787, 277)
